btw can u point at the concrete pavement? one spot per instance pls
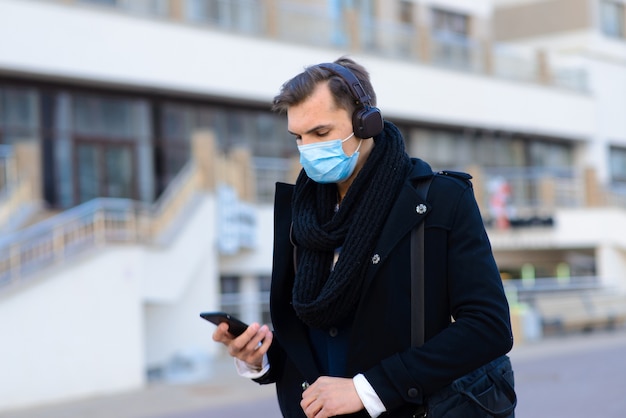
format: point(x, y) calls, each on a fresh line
point(567, 376)
point(572, 376)
point(223, 388)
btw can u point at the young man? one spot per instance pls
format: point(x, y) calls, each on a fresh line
point(341, 281)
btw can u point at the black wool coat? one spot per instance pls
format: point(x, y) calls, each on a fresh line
point(467, 321)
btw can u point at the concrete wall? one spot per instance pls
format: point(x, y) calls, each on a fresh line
point(75, 332)
point(530, 19)
point(181, 279)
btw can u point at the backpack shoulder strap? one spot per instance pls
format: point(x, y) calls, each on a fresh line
point(417, 274)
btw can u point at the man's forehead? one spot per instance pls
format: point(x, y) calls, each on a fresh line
point(313, 114)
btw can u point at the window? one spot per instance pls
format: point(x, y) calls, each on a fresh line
point(452, 46)
point(450, 22)
point(104, 169)
point(612, 18)
point(618, 165)
point(451, 149)
point(19, 114)
point(99, 116)
point(551, 154)
point(108, 153)
point(177, 125)
point(231, 295)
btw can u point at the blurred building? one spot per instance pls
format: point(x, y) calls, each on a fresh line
point(138, 157)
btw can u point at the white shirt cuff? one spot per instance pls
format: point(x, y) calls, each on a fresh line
point(370, 399)
point(245, 370)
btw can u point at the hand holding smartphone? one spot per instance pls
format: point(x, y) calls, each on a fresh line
point(235, 326)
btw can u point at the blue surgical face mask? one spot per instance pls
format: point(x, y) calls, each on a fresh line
point(325, 162)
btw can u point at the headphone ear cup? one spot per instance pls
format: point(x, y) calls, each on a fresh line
point(367, 122)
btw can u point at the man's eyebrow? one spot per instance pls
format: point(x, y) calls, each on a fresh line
point(316, 128)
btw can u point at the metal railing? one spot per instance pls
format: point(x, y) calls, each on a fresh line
point(565, 304)
point(243, 16)
point(457, 52)
point(514, 64)
point(310, 24)
point(531, 191)
point(268, 171)
point(91, 225)
point(389, 39)
point(526, 288)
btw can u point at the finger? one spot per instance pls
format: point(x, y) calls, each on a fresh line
point(260, 338)
point(240, 342)
point(221, 334)
point(311, 407)
point(252, 349)
point(257, 347)
point(250, 332)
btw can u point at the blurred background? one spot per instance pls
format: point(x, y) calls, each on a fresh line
point(138, 157)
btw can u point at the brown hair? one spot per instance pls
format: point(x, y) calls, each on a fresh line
point(300, 87)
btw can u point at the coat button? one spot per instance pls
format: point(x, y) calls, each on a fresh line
point(375, 259)
point(413, 393)
point(305, 385)
point(333, 332)
point(421, 209)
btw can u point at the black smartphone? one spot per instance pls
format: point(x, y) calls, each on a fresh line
point(235, 326)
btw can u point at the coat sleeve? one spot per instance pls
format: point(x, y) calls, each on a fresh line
point(475, 298)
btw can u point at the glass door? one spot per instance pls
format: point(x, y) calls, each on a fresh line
point(104, 169)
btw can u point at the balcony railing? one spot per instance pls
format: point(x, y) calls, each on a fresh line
point(388, 39)
point(525, 191)
point(565, 304)
point(514, 64)
point(458, 52)
point(309, 24)
point(60, 237)
point(320, 25)
point(268, 171)
point(243, 16)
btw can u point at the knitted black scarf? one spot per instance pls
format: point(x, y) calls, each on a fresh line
point(324, 296)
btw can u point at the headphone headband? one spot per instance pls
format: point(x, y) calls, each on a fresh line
point(367, 120)
point(357, 90)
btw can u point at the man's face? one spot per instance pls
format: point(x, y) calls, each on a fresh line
point(318, 119)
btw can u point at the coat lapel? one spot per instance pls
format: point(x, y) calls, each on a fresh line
point(409, 210)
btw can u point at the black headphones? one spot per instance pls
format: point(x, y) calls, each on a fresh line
point(367, 121)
